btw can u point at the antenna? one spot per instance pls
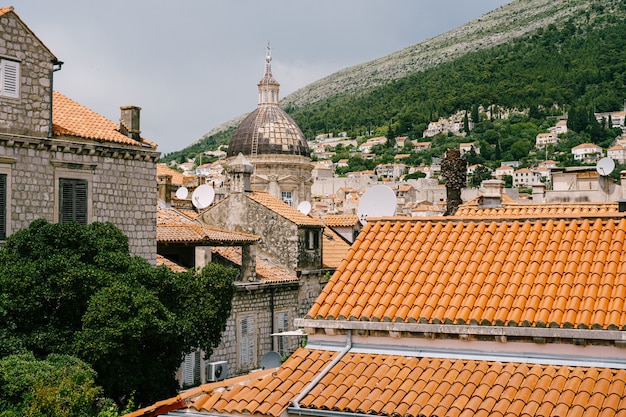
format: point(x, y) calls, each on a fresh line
point(182, 193)
point(378, 201)
point(304, 207)
point(203, 196)
point(605, 166)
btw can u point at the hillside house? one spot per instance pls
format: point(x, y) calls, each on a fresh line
point(421, 146)
point(544, 139)
point(467, 147)
point(393, 171)
point(503, 171)
point(60, 160)
point(587, 153)
point(525, 177)
point(617, 153)
point(516, 314)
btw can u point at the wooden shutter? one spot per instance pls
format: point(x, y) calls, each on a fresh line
point(282, 325)
point(3, 206)
point(73, 201)
point(9, 80)
point(246, 342)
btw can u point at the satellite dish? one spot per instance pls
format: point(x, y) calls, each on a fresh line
point(182, 193)
point(304, 208)
point(605, 166)
point(271, 360)
point(202, 196)
point(378, 201)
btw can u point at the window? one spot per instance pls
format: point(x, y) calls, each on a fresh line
point(282, 325)
point(9, 78)
point(312, 239)
point(72, 200)
point(247, 345)
point(287, 197)
point(3, 206)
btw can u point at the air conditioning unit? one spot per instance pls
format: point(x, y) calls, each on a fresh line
point(216, 371)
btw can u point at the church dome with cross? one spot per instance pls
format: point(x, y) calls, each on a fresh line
point(268, 129)
point(275, 146)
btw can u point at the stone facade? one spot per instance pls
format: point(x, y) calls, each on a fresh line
point(30, 113)
point(36, 154)
point(282, 240)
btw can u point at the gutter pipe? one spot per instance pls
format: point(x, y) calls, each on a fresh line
point(56, 66)
point(307, 389)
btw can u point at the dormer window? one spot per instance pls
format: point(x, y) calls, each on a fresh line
point(9, 78)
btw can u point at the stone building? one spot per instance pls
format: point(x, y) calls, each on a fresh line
point(61, 161)
point(274, 144)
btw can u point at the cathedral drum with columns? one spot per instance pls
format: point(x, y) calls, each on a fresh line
point(274, 144)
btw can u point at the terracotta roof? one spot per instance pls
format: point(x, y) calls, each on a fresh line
point(177, 177)
point(72, 119)
point(173, 227)
point(394, 385)
point(162, 260)
point(334, 249)
point(283, 209)
point(266, 272)
point(558, 273)
point(512, 210)
point(340, 220)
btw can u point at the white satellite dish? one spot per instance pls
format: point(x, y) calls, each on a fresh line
point(304, 207)
point(605, 166)
point(182, 193)
point(378, 201)
point(202, 196)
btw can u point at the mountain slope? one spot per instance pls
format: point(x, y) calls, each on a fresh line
point(513, 20)
point(498, 27)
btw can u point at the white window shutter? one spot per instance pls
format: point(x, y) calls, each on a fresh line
point(10, 79)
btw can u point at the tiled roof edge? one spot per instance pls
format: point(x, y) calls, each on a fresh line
point(466, 329)
point(80, 148)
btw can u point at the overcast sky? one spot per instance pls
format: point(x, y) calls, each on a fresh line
point(194, 64)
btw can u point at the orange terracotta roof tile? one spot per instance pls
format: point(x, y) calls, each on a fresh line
point(511, 209)
point(173, 227)
point(544, 272)
point(340, 220)
point(162, 260)
point(177, 177)
point(72, 119)
point(360, 383)
point(266, 272)
point(283, 209)
point(334, 249)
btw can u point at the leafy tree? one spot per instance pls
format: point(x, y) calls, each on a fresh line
point(81, 293)
point(57, 386)
point(481, 173)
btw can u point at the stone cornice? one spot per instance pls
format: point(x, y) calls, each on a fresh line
point(79, 148)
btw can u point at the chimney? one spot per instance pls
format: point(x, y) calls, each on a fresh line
point(240, 171)
point(492, 193)
point(129, 122)
point(539, 191)
point(164, 189)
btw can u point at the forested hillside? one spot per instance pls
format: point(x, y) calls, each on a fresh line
point(577, 60)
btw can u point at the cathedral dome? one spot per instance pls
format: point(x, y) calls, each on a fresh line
point(268, 130)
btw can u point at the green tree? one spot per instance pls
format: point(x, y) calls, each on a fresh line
point(481, 173)
point(57, 386)
point(81, 293)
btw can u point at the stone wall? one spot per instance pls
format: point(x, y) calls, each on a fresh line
point(122, 188)
point(257, 301)
point(29, 114)
point(239, 213)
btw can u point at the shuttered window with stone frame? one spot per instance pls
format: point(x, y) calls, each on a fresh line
point(73, 200)
point(282, 325)
point(9, 78)
point(247, 345)
point(3, 206)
